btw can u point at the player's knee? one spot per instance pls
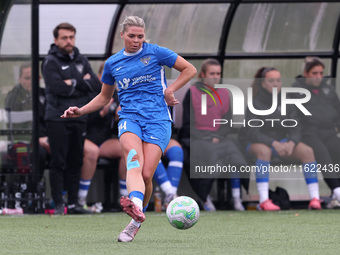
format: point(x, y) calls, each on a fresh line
point(306, 153)
point(91, 153)
point(263, 152)
point(147, 177)
point(132, 160)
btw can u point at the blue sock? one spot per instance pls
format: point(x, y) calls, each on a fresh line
point(136, 194)
point(160, 175)
point(235, 183)
point(262, 179)
point(309, 171)
point(137, 198)
point(311, 177)
point(144, 208)
point(84, 184)
point(262, 170)
point(175, 166)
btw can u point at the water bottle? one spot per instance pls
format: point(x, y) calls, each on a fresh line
point(158, 200)
point(23, 191)
point(17, 195)
point(4, 190)
point(39, 198)
point(29, 205)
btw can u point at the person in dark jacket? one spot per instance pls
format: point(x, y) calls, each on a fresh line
point(275, 140)
point(69, 80)
point(320, 130)
point(20, 97)
point(210, 145)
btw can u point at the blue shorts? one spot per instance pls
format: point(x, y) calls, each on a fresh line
point(274, 152)
point(158, 133)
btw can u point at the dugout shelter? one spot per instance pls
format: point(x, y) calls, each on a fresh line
point(242, 34)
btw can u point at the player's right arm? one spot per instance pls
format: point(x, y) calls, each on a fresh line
point(102, 99)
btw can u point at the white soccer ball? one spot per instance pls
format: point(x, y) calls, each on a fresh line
point(183, 212)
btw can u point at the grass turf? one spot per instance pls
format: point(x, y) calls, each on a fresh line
point(222, 232)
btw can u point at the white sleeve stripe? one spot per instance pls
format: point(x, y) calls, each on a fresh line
point(164, 88)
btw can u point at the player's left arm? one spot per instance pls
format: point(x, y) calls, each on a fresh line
point(187, 72)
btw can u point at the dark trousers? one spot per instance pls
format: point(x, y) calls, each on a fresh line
point(326, 149)
point(204, 152)
point(43, 163)
point(67, 144)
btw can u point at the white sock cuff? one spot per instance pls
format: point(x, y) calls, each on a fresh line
point(236, 192)
point(313, 189)
point(167, 187)
point(336, 193)
point(124, 192)
point(137, 202)
point(263, 189)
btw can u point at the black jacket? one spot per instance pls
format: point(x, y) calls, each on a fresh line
point(56, 68)
point(19, 99)
point(269, 132)
point(324, 106)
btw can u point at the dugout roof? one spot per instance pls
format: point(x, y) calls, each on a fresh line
point(242, 34)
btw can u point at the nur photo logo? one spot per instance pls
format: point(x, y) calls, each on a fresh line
point(239, 104)
point(204, 98)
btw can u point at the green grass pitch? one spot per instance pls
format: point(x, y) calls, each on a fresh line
point(222, 232)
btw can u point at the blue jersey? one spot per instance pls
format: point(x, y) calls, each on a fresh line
point(141, 81)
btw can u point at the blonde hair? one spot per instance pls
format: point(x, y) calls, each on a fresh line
point(132, 21)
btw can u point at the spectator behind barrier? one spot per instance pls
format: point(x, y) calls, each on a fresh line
point(208, 146)
point(20, 99)
point(320, 130)
point(168, 179)
point(273, 140)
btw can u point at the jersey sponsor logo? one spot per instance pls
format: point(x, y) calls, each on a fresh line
point(125, 83)
point(117, 69)
point(145, 60)
point(64, 67)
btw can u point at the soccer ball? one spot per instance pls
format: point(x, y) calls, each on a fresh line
point(183, 212)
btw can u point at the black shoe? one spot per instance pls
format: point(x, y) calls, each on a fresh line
point(77, 209)
point(59, 210)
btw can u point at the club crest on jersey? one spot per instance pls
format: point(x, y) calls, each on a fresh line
point(80, 68)
point(145, 60)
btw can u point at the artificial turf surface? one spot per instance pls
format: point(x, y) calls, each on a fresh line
point(221, 232)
